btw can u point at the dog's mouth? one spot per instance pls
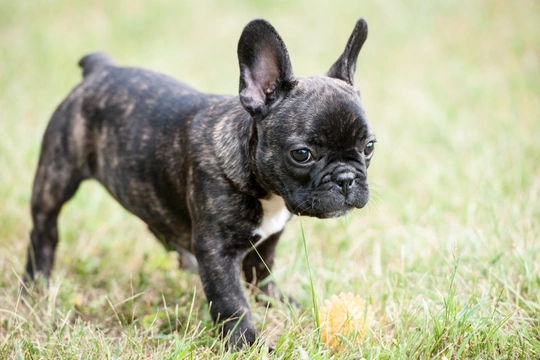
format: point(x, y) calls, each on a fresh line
point(326, 204)
point(328, 214)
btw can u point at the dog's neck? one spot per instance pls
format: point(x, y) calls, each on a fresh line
point(236, 158)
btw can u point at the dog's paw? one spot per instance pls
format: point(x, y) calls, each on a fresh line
point(238, 337)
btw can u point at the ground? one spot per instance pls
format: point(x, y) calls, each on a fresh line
point(446, 253)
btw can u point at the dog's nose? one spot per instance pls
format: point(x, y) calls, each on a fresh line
point(345, 180)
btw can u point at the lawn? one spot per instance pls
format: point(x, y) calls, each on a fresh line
point(447, 252)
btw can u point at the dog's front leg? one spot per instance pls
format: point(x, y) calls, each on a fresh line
point(219, 269)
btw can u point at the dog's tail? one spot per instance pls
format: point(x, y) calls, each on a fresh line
point(95, 61)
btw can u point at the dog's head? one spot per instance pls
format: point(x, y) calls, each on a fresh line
point(312, 143)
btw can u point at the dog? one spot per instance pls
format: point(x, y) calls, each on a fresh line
point(215, 178)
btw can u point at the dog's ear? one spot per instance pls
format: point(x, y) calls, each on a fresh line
point(265, 69)
point(345, 67)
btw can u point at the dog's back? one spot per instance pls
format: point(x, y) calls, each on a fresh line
point(126, 123)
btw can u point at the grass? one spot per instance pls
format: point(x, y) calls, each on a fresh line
point(446, 253)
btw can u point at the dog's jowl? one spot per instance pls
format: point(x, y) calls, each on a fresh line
point(214, 177)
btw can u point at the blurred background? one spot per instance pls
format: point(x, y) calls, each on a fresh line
point(451, 90)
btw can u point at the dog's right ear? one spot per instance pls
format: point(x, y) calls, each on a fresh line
point(265, 69)
point(345, 67)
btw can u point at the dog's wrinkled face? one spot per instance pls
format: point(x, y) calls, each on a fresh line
point(315, 148)
point(313, 143)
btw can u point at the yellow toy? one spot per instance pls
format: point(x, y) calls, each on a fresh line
point(345, 315)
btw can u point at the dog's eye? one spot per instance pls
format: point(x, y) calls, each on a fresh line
point(370, 146)
point(301, 155)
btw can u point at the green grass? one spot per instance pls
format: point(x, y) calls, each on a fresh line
point(447, 252)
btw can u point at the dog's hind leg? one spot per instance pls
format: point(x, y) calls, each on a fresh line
point(58, 176)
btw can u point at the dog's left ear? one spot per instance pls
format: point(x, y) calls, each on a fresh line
point(345, 67)
point(265, 69)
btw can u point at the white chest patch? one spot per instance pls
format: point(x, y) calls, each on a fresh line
point(275, 216)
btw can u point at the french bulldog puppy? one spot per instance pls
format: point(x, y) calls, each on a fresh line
point(216, 178)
